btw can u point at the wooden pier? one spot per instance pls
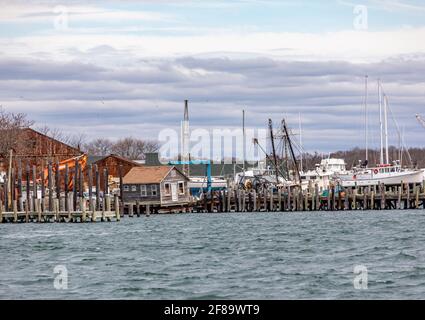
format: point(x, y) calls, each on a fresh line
point(293, 199)
point(57, 197)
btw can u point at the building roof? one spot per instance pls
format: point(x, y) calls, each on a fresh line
point(146, 174)
point(96, 159)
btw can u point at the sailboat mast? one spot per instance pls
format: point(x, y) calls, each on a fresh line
point(380, 123)
point(244, 144)
point(366, 122)
point(301, 141)
point(387, 156)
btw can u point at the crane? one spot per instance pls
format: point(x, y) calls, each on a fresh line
point(420, 120)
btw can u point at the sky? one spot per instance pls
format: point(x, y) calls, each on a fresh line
point(124, 68)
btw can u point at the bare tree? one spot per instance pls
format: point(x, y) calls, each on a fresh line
point(74, 140)
point(99, 147)
point(134, 149)
point(11, 125)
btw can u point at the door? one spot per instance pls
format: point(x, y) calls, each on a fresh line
point(174, 196)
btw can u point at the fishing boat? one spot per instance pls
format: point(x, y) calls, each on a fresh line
point(199, 184)
point(324, 173)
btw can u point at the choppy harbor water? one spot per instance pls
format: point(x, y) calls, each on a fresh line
point(213, 256)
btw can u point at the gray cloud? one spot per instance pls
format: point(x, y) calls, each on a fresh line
point(141, 99)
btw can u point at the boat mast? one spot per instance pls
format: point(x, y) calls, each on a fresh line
point(380, 122)
point(387, 156)
point(301, 141)
point(244, 144)
point(366, 122)
point(273, 150)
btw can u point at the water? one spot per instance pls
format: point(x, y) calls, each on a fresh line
point(219, 256)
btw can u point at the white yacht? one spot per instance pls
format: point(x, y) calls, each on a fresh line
point(392, 174)
point(323, 174)
point(384, 173)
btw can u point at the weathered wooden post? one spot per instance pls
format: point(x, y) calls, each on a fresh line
point(382, 191)
point(294, 199)
point(417, 189)
point(271, 199)
point(34, 187)
point(6, 193)
point(75, 186)
point(50, 186)
point(317, 194)
point(105, 182)
point(28, 186)
point(56, 206)
point(15, 210)
point(43, 190)
point(71, 208)
point(408, 195)
point(27, 211)
point(254, 200)
point(12, 188)
point(20, 199)
point(80, 183)
point(38, 209)
point(366, 191)
point(117, 207)
point(329, 198)
point(65, 185)
point(83, 210)
point(58, 183)
point(306, 203)
point(97, 187)
point(279, 195)
point(223, 201)
point(90, 185)
point(120, 172)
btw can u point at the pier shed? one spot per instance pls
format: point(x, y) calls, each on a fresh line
point(160, 186)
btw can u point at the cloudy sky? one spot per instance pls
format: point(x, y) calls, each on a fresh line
point(119, 68)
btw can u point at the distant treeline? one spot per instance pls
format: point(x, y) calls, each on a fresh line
point(409, 157)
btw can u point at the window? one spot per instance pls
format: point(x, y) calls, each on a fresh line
point(167, 189)
point(154, 189)
point(134, 188)
point(181, 187)
point(143, 192)
point(126, 188)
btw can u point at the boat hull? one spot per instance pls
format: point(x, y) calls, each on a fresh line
point(374, 180)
